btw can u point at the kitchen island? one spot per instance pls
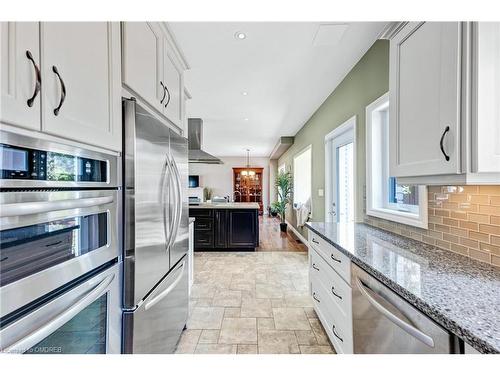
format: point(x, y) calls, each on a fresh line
point(225, 226)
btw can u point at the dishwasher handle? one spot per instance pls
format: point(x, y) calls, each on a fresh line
point(408, 328)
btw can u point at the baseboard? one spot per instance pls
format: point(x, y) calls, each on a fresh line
point(297, 233)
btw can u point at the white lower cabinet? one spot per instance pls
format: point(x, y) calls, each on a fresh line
point(81, 82)
point(331, 293)
point(20, 77)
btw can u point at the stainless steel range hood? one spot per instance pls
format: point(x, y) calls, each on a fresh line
point(195, 141)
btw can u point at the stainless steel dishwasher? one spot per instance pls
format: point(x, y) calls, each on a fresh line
point(384, 323)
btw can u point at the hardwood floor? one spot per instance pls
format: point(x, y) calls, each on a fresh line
point(272, 239)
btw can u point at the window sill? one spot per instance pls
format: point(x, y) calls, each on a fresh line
point(407, 218)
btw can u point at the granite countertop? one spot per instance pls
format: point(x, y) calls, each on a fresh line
point(461, 294)
point(234, 205)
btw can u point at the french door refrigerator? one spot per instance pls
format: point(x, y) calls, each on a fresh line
point(155, 233)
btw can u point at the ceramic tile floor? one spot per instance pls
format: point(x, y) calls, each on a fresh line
point(252, 303)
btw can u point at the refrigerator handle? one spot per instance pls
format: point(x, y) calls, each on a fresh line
point(172, 217)
point(408, 328)
point(178, 202)
point(167, 291)
point(165, 202)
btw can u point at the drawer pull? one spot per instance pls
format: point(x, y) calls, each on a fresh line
point(316, 299)
point(335, 294)
point(316, 242)
point(336, 335)
point(335, 259)
point(314, 266)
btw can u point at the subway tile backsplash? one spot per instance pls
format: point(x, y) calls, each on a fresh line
point(462, 219)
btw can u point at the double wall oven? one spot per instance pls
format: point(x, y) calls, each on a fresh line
point(60, 223)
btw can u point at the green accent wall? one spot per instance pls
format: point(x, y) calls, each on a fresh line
point(367, 80)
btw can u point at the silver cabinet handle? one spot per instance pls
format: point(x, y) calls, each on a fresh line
point(315, 298)
point(63, 91)
point(335, 294)
point(316, 242)
point(314, 266)
point(335, 333)
point(30, 208)
point(167, 291)
point(441, 146)
point(38, 79)
point(335, 259)
point(408, 328)
point(47, 329)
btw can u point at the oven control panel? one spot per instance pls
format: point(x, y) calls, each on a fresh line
point(31, 164)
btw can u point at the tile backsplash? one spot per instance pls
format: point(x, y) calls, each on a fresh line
point(462, 219)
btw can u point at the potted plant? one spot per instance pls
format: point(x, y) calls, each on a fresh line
point(283, 183)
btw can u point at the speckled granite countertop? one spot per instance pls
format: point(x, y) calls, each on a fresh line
point(235, 205)
point(461, 294)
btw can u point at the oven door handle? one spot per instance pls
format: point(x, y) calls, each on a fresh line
point(31, 208)
point(408, 328)
point(51, 326)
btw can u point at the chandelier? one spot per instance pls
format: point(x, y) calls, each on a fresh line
point(248, 172)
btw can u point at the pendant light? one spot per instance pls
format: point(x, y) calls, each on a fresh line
point(248, 172)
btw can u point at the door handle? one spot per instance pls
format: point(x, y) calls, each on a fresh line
point(446, 130)
point(168, 100)
point(38, 79)
point(408, 328)
point(51, 326)
point(167, 291)
point(335, 259)
point(336, 334)
point(63, 91)
point(316, 242)
point(178, 202)
point(335, 294)
point(315, 298)
point(31, 208)
point(314, 266)
point(164, 92)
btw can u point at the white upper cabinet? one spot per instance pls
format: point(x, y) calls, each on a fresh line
point(20, 77)
point(173, 76)
point(444, 103)
point(81, 82)
point(486, 98)
point(153, 68)
point(142, 59)
point(425, 99)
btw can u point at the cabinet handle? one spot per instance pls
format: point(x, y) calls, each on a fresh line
point(335, 333)
point(316, 242)
point(38, 79)
point(314, 266)
point(335, 259)
point(63, 90)
point(164, 92)
point(168, 100)
point(446, 130)
point(314, 296)
point(335, 294)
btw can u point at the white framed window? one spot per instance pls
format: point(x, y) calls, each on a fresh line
point(302, 176)
point(385, 198)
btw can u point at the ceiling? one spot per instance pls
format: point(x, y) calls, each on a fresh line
point(287, 70)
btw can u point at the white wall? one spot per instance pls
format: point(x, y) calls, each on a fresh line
point(219, 177)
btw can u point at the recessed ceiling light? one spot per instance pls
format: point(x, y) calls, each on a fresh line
point(244, 93)
point(240, 35)
point(246, 119)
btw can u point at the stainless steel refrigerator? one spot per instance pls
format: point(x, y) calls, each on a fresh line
point(155, 233)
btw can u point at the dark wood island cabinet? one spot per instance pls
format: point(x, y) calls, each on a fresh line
point(225, 226)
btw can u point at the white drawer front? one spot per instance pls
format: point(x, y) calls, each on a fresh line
point(334, 257)
point(339, 291)
point(337, 327)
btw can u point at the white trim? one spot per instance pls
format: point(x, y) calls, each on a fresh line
point(297, 233)
point(349, 125)
point(418, 220)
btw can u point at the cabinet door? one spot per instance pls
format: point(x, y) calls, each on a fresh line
point(173, 76)
point(220, 228)
point(425, 73)
point(143, 61)
point(81, 82)
point(242, 228)
point(486, 98)
point(20, 61)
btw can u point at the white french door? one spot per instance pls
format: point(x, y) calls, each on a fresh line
point(340, 153)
